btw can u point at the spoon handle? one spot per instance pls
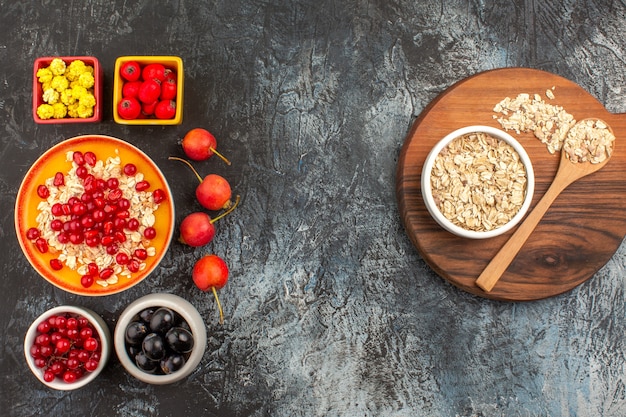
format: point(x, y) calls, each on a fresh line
point(499, 263)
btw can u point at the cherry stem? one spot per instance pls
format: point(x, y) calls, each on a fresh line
point(227, 212)
point(222, 157)
point(175, 158)
point(219, 305)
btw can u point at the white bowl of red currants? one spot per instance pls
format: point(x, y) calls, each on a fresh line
point(160, 338)
point(67, 347)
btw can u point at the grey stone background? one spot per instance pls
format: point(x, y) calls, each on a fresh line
point(329, 309)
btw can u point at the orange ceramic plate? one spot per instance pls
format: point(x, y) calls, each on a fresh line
point(53, 161)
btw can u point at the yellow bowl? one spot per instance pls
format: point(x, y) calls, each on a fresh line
point(171, 62)
point(27, 210)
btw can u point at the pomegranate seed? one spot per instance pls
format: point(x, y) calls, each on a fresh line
point(79, 209)
point(158, 196)
point(142, 185)
point(86, 281)
point(150, 233)
point(123, 203)
point(130, 169)
point(63, 238)
point(67, 209)
point(119, 223)
point(56, 225)
point(42, 245)
point(32, 233)
point(43, 192)
point(56, 264)
point(106, 273)
point(112, 249)
point(109, 209)
point(113, 183)
point(59, 179)
point(114, 194)
point(107, 240)
point(101, 184)
point(121, 258)
point(133, 265)
point(98, 215)
point(120, 236)
point(76, 238)
point(90, 158)
point(82, 172)
point(92, 242)
point(108, 228)
point(78, 158)
point(87, 221)
point(132, 224)
point(57, 209)
point(141, 254)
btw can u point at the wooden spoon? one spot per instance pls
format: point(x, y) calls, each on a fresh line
point(567, 173)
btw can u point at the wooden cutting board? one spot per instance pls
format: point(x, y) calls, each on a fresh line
point(579, 233)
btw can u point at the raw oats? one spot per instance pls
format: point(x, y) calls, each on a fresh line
point(78, 256)
point(589, 141)
point(526, 113)
point(478, 182)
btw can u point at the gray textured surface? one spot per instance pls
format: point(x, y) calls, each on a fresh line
point(329, 309)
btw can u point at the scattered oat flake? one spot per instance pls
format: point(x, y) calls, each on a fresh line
point(526, 113)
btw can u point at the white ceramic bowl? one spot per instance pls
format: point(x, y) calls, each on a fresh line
point(427, 189)
point(105, 342)
point(181, 306)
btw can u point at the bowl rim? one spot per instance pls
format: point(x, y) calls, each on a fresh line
point(180, 306)
point(427, 189)
point(105, 341)
point(167, 60)
point(98, 76)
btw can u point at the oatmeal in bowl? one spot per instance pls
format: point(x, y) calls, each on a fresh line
point(94, 215)
point(477, 182)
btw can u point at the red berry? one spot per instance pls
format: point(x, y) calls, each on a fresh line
point(142, 185)
point(149, 233)
point(130, 71)
point(42, 245)
point(33, 233)
point(129, 108)
point(59, 179)
point(149, 91)
point(86, 281)
point(78, 158)
point(130, 169)
point(158, 196)
point(131, 89)
point(90, 344)
point(90, 158)
point(165, 109)
point(153, 72)
point(56, 264)
point(43, 192)
point(168, 89)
